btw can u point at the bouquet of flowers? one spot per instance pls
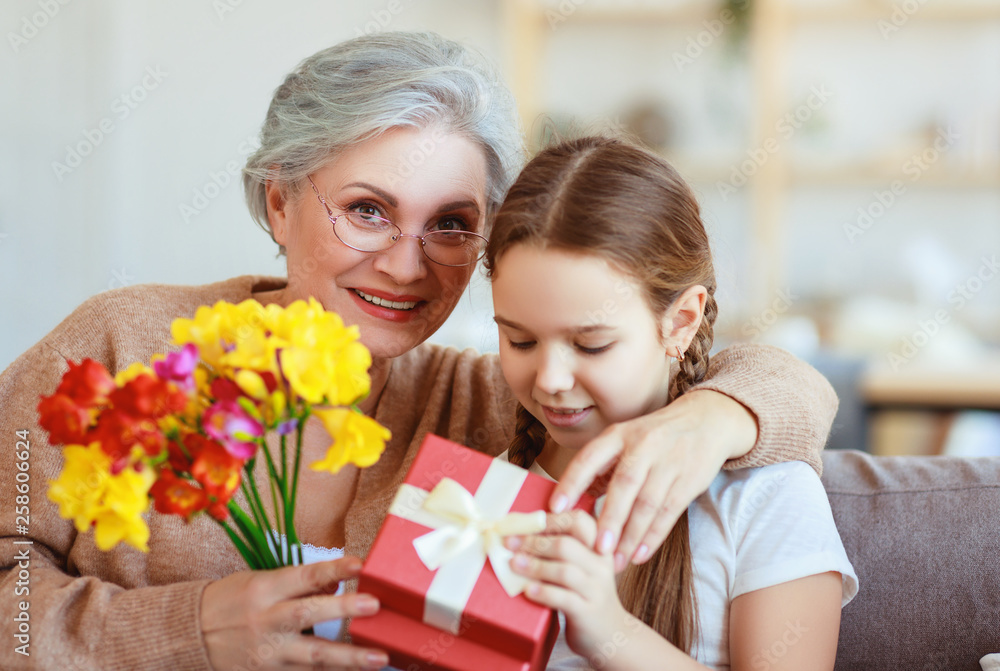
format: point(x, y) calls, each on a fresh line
point(188, 430)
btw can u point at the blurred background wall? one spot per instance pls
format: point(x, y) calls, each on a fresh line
point(846, 154)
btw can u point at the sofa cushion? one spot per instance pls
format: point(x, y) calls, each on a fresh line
point(923, 534)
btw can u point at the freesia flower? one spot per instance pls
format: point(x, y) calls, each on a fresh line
point(69, 412)
point(118, 432)
point(231, 425)
point(185, 430)
point(65, 420)
point(175, 496)
point(87, 493)
point(217, 471)
point(357, 439)
point(178, 367)
point(87, 383)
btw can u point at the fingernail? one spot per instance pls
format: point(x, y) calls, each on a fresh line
point(520, 561)
point(534, 589)
point(607, 543)
point(560, 505)
point(641, 554)
point(367, 604)
point(377, 659)
point(513, 542)
point(620, 562)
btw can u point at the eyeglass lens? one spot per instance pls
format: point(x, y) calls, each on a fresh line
point(368, 233)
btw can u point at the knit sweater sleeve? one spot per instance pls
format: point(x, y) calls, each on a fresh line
point(75, 606)
point(793, 403)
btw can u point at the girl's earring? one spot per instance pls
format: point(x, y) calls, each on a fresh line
point(680, 354)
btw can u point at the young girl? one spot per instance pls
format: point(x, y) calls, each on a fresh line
point(602, 273)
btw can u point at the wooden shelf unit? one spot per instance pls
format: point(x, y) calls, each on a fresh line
point(772, 23)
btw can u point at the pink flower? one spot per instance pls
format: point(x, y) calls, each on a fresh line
point(229, 424)
point(178, 367)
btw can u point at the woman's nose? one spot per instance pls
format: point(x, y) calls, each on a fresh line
point(404, 261)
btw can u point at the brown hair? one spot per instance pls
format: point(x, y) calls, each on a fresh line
point(607, 197)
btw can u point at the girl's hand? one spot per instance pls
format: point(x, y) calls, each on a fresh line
point(570, 576)
point(661, 462)
point(254, 619)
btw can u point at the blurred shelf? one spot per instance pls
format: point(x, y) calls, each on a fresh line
point(934, 386)
point(694, 11)
point(530, 24)
point(697, 11)
point(883, 174)
point(884, 10)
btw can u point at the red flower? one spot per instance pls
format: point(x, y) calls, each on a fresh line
point(219, 510)
point(147, 396)
point(68, 413)
point(88, 383)
point(175, 496)
point(217, 471)
point(65, 420)
point(119, 431)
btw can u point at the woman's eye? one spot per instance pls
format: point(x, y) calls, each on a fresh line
point(522, 345)
point(595, 350)
point(451, 224)
point(366, 209)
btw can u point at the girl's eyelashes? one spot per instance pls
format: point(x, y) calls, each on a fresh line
point(590, 351)
point(595, 350)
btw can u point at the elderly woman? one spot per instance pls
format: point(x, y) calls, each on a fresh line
point(413, 133)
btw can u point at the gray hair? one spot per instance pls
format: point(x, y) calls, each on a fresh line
point(361, 88)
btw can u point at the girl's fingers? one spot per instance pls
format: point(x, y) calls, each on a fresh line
point(575, 523)
point(564, 574)
point(553, 596)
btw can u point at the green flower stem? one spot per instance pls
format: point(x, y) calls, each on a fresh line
point(248, 553)
point(298, 456)
point(260, 521)
point(255, 537)
point(282, 485)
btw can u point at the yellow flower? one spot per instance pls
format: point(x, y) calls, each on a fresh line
point(90, 495)
point(133, 371)
point(357, 439)
point(324, 359)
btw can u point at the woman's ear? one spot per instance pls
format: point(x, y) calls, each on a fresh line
point(683, 317)
point(277, 211)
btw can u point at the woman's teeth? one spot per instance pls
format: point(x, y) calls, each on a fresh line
point(395, 305)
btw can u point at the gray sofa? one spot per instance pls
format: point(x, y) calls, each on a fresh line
point(923, 534)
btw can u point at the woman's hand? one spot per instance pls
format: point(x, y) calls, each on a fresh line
point(661, 462)
point(570, 576)
point(254, 619)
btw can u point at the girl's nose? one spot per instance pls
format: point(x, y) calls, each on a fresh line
point(555, 371)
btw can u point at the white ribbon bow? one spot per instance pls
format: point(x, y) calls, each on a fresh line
point(467, 530)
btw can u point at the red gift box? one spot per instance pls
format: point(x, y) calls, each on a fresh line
point(492, 630)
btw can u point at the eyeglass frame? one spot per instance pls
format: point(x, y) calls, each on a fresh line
point(400, 234)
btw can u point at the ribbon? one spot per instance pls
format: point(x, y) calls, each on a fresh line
point(467, 530)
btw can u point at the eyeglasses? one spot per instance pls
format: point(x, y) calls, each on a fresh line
point(368, 233)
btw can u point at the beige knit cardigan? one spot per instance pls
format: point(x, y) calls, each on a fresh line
point(123, 609)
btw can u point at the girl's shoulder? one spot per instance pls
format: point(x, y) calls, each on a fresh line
point(768, 494)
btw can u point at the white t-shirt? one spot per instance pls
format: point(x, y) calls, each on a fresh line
point(753, 528)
